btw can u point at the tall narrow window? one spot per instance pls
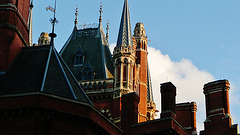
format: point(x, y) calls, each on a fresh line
point(104, 85)
point(90, 86)
point(95, 86)
point(138, 45)
point(99, 85)
point(118, 70)
point(125, 72)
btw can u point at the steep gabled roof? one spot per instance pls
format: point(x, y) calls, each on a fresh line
point(125, 34)
point(41, 69)
point(96, 51)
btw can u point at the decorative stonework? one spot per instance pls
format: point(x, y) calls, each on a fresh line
point(86, 33)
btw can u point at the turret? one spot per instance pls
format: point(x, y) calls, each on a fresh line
point(43, 39)
point(140, 36)
point(124, 55)
point(142, 62)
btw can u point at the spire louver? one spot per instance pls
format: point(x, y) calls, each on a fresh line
point(125, 35)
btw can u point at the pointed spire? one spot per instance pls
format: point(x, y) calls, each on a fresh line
point(30, 23)
point(125, 34)
point(100, 11)
point(107, 30)
point(76, 16)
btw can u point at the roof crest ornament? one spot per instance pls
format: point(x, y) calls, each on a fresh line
point(107, 30)
point(76, 16)
point(100, 11)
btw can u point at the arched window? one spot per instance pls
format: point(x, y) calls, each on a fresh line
point(85, 86)
point(131, 74)
point(125, 69)
point(95, 86)
point(104, 85)
point(138, 45)
point(118, 69)
point(79, 57)
point(90, 86)
point(99, 85)
point(144, 45)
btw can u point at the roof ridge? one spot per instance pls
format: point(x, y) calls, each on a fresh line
point(66, 78)
point(46, 69)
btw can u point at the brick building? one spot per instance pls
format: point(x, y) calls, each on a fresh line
point(85, 89)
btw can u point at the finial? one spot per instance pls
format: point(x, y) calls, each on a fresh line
point(101, 11)
point(30, 22)
point(76, 15)
point(107, 30)
point(53, 22)
point(84, 25)
point(31, 4)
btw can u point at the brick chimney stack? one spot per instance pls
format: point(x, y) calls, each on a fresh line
point(217, 98)
point(218, 119)
point(168, 100)
point(186, 116)
point(129, 111)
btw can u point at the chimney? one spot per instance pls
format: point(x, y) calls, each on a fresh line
point(217, 98)
point(218, 119)
point(186, 116)
point(129, 112)
point(168, 94)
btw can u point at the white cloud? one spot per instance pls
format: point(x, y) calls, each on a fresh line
point(188, 79)
point(111, 47)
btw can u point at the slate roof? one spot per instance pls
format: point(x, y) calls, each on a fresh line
point(41, 69)
point(125, 34)
point(149, 86)
point(96, 52)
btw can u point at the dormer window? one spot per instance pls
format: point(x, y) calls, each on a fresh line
point(79, 57)
point(87, 72)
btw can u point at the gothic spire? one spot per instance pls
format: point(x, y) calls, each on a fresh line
point(125, 35)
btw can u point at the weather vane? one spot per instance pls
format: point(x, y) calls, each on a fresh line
point(53, 22)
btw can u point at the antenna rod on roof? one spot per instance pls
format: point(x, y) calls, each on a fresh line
point(53, 21)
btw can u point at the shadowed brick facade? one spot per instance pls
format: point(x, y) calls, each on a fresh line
point(13, 25)
point(87, 90)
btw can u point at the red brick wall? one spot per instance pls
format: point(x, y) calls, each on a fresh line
point(142, 60)
point(13, 30)
point(186, 116)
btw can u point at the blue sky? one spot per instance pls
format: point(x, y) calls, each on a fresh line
point(205, 33)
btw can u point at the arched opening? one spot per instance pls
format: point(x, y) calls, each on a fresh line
point(99, 85)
